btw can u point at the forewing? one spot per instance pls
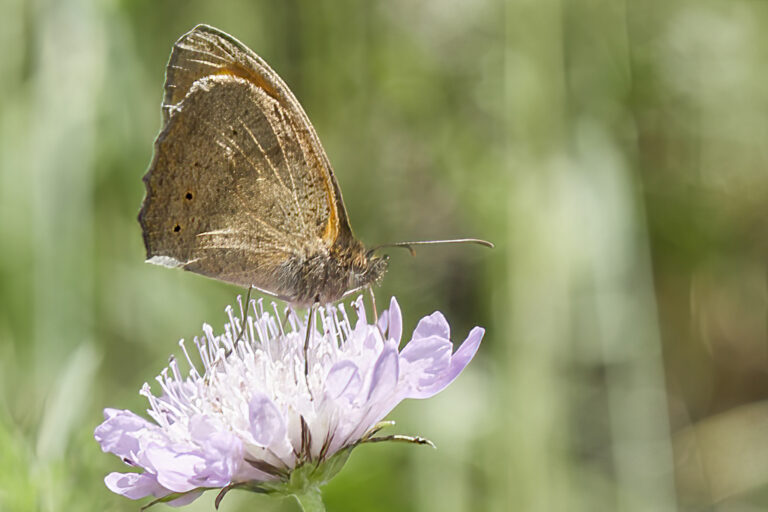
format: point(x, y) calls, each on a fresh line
point(239, 183)
point(206, 51)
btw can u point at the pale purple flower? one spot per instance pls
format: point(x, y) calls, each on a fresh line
point(252, 418)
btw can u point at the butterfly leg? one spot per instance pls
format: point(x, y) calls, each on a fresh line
point(308, 338)
point(244, 315)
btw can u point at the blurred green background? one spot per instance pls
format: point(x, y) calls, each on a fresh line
point(614, 151)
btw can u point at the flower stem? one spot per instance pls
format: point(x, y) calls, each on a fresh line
point(310, 500)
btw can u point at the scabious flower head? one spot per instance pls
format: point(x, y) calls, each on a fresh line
point(256, 411)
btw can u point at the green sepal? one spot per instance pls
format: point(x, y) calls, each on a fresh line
point(303, 482)
point(309, 475)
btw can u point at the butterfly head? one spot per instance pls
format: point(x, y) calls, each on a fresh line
point(367, 269)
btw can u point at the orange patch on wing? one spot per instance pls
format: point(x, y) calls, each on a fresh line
point(254, 78)
point(332, 227)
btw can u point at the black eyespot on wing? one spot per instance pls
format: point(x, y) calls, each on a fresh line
point(176, 228)
point(189, 196)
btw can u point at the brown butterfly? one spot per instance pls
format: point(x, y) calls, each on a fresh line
point(240, 188)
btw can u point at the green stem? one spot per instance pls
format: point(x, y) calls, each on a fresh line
point(310, 500)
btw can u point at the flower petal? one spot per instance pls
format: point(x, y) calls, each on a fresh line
point(175, 471)
point(436, 377)
point(343, 380)
point(395, 322)
point(385, 374)
point(120, 431)
point(467, 350)
point(432, 353)
point(266, 422)
point(135, 485)
point(384, 320)
point(432, 325)
point(221, 450)
point(382, 398)
point(223, 454)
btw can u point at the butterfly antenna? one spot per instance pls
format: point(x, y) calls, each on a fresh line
point(409, 245)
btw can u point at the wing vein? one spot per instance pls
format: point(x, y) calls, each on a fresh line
point(299, 210)
point(289, 123)
point(266, 157)
point(232, 144)
point(207, 63)
point(216, 42)
point(201, 51)
point(261, 148)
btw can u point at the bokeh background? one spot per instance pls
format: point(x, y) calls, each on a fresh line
point(614, 151)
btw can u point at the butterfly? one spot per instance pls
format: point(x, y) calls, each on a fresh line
point(240, 189)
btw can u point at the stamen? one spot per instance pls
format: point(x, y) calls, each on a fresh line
point(170, 393)
point(277, 318)
point(271, 326)
point(228, 332)
point(248, 343)
point(189, 360)
point(203, 354)
point(263, 337)
point(234, 324)
point(218, 357)
point(327, 323)
point(256, 321)
point(346, 325)
point(261, 307)
point(339, 334)
point(291, 318)
point(181, 390)
point(258, 325)
point(175, 369)
point(320, 311)
point(163, 376)
point(359, 307)
point(154, 410)
point(242, 310)
point(298, 321)
point(170, 411)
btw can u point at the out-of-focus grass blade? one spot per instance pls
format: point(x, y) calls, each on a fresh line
point(67, 403)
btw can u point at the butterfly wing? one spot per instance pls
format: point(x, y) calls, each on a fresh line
point(239, 185)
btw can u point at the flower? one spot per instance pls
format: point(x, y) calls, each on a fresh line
point(270, 414)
